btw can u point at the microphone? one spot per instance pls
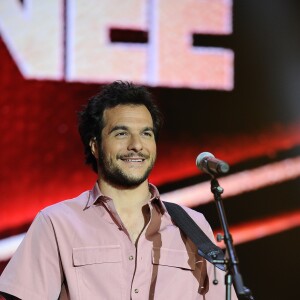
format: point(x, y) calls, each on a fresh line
point(207, 163)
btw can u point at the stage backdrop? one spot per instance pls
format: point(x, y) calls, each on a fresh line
point(226, 76)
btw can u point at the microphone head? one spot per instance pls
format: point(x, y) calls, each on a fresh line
point(223, 167)
point(200, 159)
point(207, 163)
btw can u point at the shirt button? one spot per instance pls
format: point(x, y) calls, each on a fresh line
point(130, 257)
point(136, 291)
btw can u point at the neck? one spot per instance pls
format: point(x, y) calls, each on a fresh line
point(124, 198)
point(130, 204)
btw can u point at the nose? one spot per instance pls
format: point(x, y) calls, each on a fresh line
point(135, 143)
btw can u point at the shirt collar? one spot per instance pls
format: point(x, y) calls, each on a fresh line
point(96, 195)
point(155, 198)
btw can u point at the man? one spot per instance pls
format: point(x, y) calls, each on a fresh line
point(116, 241)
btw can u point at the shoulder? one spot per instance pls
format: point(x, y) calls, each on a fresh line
point(199, 219)
point(60, 218)
point(195, 215)
point(67, 206)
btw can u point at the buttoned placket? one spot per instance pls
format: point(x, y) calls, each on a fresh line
point(134, 257)
point(130, 259)
point(143, 271)
point(131, 264)
point(135, 263)
point(135, 254)
point(128, 248)
point(135, 286)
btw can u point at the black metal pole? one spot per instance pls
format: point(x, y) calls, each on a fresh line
point(243, 292)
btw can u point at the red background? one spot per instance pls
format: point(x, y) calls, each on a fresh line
point(255, 124)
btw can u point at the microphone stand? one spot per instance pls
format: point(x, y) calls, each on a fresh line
point(233, 274)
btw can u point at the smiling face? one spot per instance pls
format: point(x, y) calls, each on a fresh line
point(128, 148)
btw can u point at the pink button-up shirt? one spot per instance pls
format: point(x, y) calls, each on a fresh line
point(80, 249)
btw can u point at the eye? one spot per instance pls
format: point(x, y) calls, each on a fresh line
point(121, 133)
point(148, 133)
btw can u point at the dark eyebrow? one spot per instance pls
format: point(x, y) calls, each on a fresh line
point(118, 127)
point(148, 129)
point(123, 127)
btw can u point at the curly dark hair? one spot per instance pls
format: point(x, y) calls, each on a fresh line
point(90, 119)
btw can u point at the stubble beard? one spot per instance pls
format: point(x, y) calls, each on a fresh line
point(114, 174)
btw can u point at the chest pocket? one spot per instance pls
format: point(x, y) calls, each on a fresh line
point(177, 270)
point(174, 258)
point(96, 255)
point(98, 270)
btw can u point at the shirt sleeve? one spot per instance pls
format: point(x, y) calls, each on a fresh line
point(34, 272)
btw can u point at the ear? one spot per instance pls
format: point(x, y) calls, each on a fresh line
point(94, 147)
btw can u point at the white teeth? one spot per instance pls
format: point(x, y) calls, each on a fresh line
point(134, 160)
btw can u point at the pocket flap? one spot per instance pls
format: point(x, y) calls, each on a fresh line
point(173, 258)
point(96, 255)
